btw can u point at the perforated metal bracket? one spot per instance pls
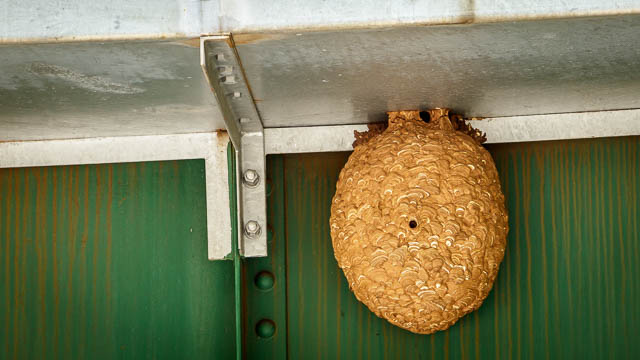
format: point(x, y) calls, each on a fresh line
point(223, 70)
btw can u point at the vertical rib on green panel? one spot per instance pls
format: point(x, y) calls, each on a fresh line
point(265, 280)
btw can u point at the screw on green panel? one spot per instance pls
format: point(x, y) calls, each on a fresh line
point(264, 280)
point(265, 328)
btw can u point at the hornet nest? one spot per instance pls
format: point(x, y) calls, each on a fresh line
point(418, 221)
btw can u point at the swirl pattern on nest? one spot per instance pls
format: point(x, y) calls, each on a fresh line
point(418, 222)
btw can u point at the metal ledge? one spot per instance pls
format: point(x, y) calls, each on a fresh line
point(499, 130)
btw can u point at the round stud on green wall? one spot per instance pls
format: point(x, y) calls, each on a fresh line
point(264, 280)
point(265, 328)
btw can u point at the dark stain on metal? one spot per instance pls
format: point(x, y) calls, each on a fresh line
point(252, 38)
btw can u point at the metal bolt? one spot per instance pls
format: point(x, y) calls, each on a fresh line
point(251, 178)
point(219, 57)
point(252, 228)
point(236, 94)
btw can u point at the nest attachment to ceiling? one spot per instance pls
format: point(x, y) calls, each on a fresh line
point(418, 221)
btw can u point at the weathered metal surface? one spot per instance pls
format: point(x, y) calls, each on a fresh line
point(65, 20)
point(76, 20)
point(79, 90)
point(479, 70)
point(92, 89)
point(109, 261)
point(568, 286)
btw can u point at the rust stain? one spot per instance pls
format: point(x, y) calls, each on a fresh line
point(632, 193)
point(554, 231)
point(96, 248)
point(194, 43)
point(610, 269)
point(446, 345)
point(496, 328)
point(621, 242)
point(526, 190)
point(20, 240)
point(7, 260)
point(243, 39)
point(540, 162)
point(462, 344)
point(40, 245)
point(70, 244)
point(606, 239)
point(476, 321)
point(54, 260)
point(566, 242)
point(338, 317)
point(589, 196)
point(576, 190)
point(108, 226)
point(518, 191)
point(602, 253)
point(507, 190)
point(22, 333)
point(83, 262)
point(85, 234)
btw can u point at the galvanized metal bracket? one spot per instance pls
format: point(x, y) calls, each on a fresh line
point(223, 70)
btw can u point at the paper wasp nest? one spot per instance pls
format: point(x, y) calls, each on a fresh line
point(418, 221)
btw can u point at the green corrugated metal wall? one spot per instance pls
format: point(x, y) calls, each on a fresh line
point(569, 286)
point(110, 262)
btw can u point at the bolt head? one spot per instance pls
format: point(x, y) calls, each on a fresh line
point(251, 178)
point(252, 228)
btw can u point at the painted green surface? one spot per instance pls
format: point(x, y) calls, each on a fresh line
point(569, 286)
point(110, 262)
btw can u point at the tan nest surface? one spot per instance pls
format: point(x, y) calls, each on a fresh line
point(418, 221)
